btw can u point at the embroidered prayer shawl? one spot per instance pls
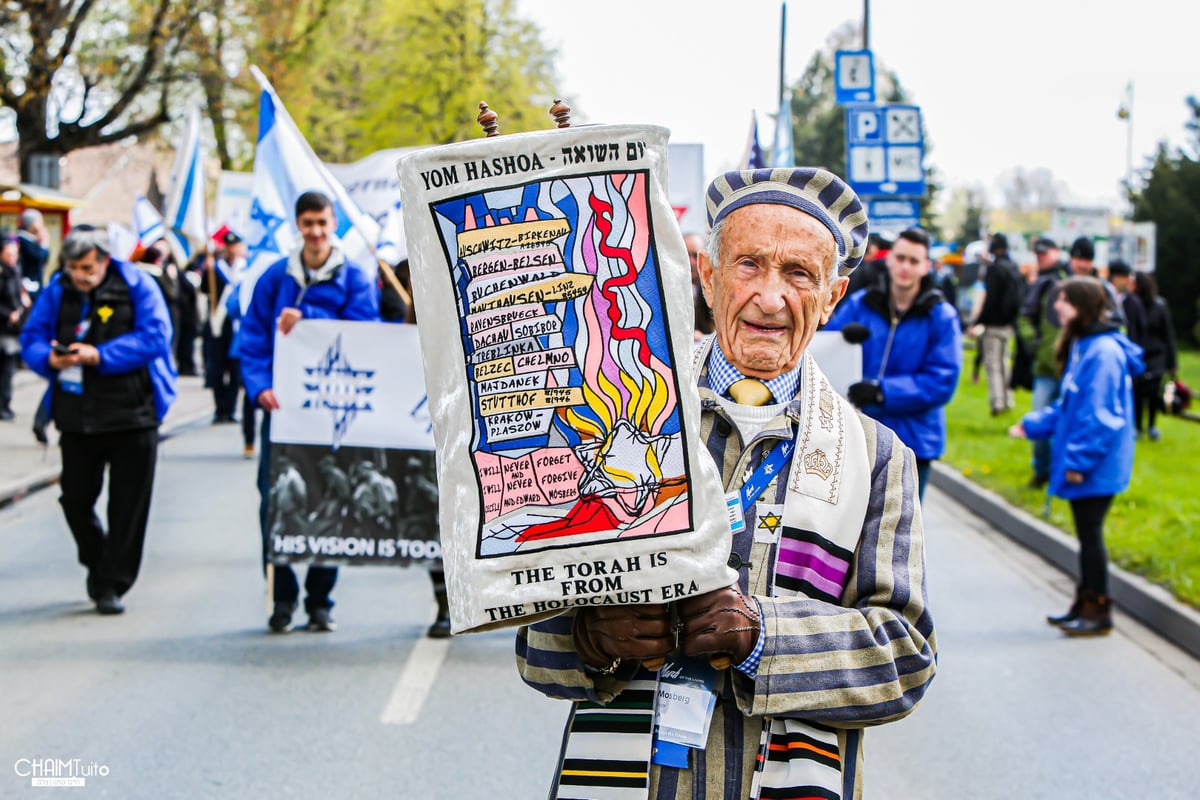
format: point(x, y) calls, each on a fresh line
point(824, 506)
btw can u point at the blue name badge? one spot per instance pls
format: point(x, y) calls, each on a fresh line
point(669, 754)
point(71, 379)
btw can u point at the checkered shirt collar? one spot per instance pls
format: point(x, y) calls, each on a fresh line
point(722, 374)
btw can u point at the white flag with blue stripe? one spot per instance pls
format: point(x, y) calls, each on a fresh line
point(783, 154)
point(284, 168)
point(392, 244)
point(147, 222)
point(184, 218)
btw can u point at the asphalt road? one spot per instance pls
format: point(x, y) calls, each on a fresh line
point(187, 696)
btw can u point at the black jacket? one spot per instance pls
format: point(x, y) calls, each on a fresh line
point(10, 299)
point(1005, 290)
point(109, 402)
point(1159, 341)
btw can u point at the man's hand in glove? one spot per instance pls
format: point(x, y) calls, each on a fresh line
point(865, 393)
point(605, 634)
point(722, 623)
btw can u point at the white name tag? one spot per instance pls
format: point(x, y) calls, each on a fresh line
point(737, 519)
point(685, 702)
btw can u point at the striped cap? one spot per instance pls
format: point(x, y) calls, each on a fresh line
point(815, 191)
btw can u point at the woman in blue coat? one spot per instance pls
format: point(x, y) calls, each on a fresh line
point(1091, 432)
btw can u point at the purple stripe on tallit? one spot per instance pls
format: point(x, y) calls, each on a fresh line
point(809, 562)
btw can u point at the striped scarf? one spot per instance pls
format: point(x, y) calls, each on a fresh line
point(606, 751)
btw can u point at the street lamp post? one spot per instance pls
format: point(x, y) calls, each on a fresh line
point(1125, 112)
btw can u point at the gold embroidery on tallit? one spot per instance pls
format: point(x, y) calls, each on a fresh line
point(817, 463)
point(827, 404)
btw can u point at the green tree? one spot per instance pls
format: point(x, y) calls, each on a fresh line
point(1170, 198)
point(965, 215)
point(419, 69)
point(278, 36)
point(90, 72)
point(819, 124)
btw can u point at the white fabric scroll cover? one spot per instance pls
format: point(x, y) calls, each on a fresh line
point(554, 300)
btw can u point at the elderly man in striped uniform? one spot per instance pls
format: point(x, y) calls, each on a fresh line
point(826, 630)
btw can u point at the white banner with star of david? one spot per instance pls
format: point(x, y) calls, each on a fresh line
point(350, 384)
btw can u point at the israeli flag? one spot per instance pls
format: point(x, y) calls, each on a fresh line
point(185, 219)
point(392, 245)
point(284, 168)
point(753, 157)
point(147, 222)
point(123, 243)
point(784, 152)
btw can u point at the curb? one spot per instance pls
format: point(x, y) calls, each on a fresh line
point(14, 493)
point(1149, 603)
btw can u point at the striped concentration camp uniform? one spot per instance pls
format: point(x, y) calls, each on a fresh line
point(848, 641)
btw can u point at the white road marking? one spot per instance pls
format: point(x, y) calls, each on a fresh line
point(420, 671)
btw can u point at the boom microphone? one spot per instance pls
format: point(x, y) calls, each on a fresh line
point(856, 333)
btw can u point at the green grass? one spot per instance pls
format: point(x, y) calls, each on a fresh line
point(1151, 527)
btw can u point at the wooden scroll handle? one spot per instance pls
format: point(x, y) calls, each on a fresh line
point(487, 120)
point(561, 113)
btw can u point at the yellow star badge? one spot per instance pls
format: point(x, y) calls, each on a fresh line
point(769, 522)
point(105, 313)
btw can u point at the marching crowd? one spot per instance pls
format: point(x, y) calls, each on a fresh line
point(806, 664)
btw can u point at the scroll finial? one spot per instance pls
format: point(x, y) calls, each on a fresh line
point(487, 119)
point(561, 113)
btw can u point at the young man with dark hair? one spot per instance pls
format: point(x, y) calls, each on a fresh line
point(913, 357)
point(316, 281)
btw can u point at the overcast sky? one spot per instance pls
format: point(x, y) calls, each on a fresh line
point(1030, 83)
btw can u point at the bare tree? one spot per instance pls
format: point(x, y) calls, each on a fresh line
point(80, 73)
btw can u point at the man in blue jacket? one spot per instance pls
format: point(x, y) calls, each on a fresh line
point(101, 334)
point(314, 282)
point(913, 357)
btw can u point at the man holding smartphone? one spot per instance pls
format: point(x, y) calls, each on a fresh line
point(101, 334)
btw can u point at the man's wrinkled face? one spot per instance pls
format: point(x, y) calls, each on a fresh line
point(86, 273)
point(317, 228)
point(771, 288)
point(907, 263)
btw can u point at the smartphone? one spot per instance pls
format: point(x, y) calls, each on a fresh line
point(62, 349)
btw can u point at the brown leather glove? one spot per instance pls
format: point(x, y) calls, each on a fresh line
point(604, 634)
point(721, 623)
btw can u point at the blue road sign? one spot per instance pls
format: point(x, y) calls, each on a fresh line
point(885, 150)
point(889, 216)
point(854, 77)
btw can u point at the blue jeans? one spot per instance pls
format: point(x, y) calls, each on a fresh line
point(923, 468)
point(1045, 392)
point(319, 581)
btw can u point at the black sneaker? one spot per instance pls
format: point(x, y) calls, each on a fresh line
point(281, 619)
point(7, 415)
point(321, 621)
point(109, 604)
